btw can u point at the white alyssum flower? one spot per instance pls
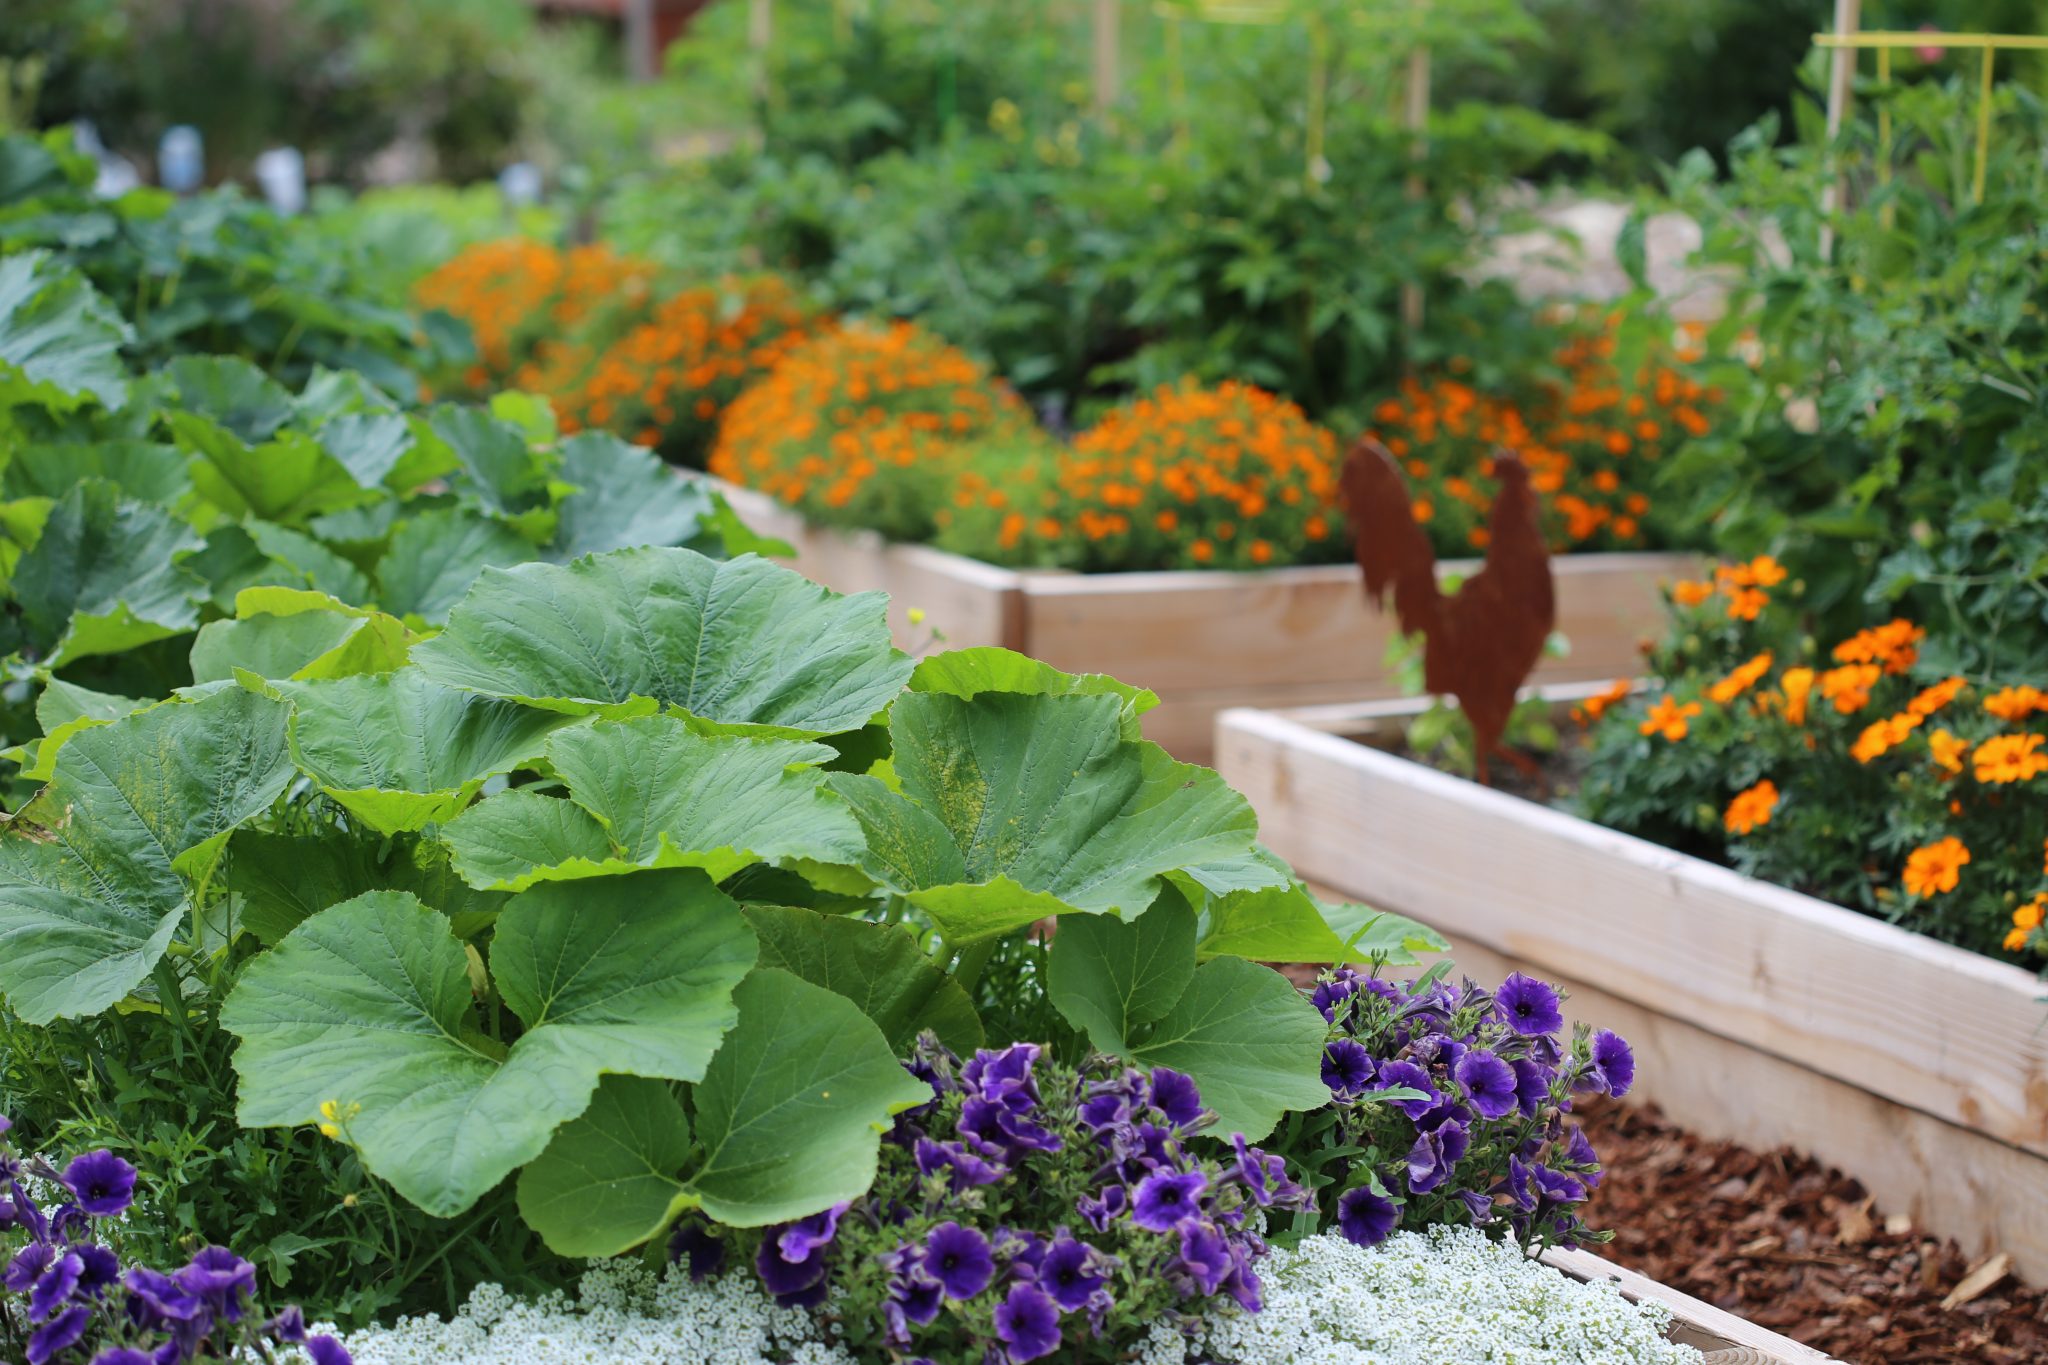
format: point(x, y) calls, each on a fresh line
point(622, 1313)
point(1452, 1296)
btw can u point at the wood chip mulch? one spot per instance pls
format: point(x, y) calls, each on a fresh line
point(1802, 1250)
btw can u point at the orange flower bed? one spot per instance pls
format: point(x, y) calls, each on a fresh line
point(664, 382)
point(870, 426)
point(1588, 442)
point(1187, 477)
point(523, 298)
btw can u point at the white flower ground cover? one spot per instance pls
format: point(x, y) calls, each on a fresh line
point(1447, 1298)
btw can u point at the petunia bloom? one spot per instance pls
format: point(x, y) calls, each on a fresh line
point(1176, 1096)
point(1204, 1254)
point(1028, 1324)
point(1071, 1272)
point(58, 1335)
point(960, 1259)
point(102, 1183)
point(327, 1351)
point(1529, 1007)
point(1489, 1083)
point(1616, 1062)
point(1366, 1218)
point(1347, 1069)
point(1163, 1199)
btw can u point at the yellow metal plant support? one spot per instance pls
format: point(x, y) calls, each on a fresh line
point(1989, 45)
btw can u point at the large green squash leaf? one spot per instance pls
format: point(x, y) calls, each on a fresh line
point(231, 391)
point(434, 557)
point(295, 633)
point(368, 1005)
point(288, 480)
point(401, 752)
point(879, 967)
point(1250, 1040)
point(970, 672)
point(624, 496)
point(789, 1119)
point(93, 871)
point(60, 341)
point(1038, 794)
point(144, 470)
point(651, 792)
point(369, 445)
point(63, 710)
point(743, 644)
point(285, 879)
point(106, 575)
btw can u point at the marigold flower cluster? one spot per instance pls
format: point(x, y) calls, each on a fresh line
point(1588, 442)
point(523, 298)
point(868, 426)
point(1855, 776)
point(664, 381)
point(1190, 476)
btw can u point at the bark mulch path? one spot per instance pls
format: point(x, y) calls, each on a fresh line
point(1800, 1249)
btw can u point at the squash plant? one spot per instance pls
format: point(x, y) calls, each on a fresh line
point(636, 878)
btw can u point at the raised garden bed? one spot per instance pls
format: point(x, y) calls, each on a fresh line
point(1765, 1016)
point(1721, 1337)
point(1204, 641)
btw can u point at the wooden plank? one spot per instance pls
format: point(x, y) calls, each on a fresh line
point(1694, 1322)
point(1945, 1032)
point(1212, 631)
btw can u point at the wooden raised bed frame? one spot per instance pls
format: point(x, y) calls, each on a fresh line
point(1204, 641)
point(1759, 1015)
point(1720, 1336)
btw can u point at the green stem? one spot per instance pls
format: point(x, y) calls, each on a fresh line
point(967, 966)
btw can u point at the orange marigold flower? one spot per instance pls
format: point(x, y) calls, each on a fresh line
point(1880, 736)
point(2014, 704)
point(2010, 758)
point(1766, 572)
point(1848, 687)
point(1947, 751)
point(1746, 604)
point(1691, 592)
point(1741, 680)
point(1669, 719)
point(1892, 645)
point(1798, 685)
point(1596, 706)
point(1933, 698)
point(1751, 808)
point(1936, 868)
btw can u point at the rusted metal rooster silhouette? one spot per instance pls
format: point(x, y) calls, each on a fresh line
point(1481, 643)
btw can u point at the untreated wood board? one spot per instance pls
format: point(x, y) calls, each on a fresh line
point(1726, 1338)
point(1932, 1028)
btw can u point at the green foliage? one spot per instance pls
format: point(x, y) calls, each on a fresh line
point(1884, 432)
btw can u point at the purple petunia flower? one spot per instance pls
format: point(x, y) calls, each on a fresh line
point(693, 1242)
point(1615, 1061)
point(1164, 1198)
point(1264, 1176)
point(959, 1258)
point(1071, 1272)
point(802, 1238)
point(1366, 1218)
point(6, 1124)
point(1002, 1133)
point(1242, 1283)
point(1105, 1109)
point(289, 1326)
point(1204, 1254)
point(1004, 1077)
point(1579, 1152)
point(1530, 1007)
point(121, 1355)
point(102, 1269)
point(1329, 994)
point(1489, 1083)
point(101, 1182)
point(1176, 1096)
point(220, 1279)
point(10, 1215)
point(1532, 1085)
point(55, 1285)
point(1558, 1187)
point(1100, 1210)
point(967, 1170)
point(1519, 1184)
point(155, 1300)
point(59, 1334)
point(1347, 1069)
point(28, 1266)
point(793, 1283)
point(327, 1351)
point(1434, 1156)
point(1028, 1323)
point(1478, 1207)
point(1407, 1076)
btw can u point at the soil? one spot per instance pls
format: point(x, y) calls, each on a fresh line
point(1800, 1249)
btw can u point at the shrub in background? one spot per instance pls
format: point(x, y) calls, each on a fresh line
point(868, 426)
